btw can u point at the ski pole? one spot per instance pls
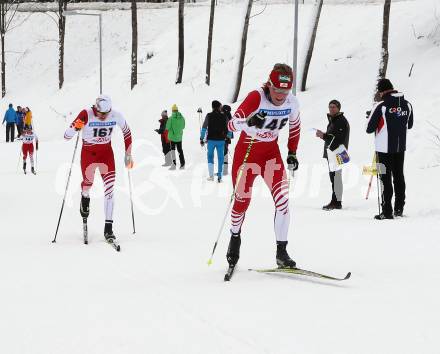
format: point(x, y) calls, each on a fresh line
point(240, 173)
point(18, 162)
point(131, 200)
point(65, 191)
point(379, 189)
point(199, 111)
point(369, 187)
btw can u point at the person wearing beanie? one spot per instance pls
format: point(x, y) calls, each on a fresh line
point(175, 125)
point(389, 120)
point(259, 119)
point(166, 146)
point(215, 125)
point(337, 133)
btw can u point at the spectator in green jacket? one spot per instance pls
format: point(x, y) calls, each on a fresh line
point(175, 126)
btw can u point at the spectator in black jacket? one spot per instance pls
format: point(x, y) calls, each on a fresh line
point(337, 133)
point(389, 120)
point(215, 127)
point(166, 145)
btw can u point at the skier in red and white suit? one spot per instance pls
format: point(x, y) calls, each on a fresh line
point(97, 124)
point(27, 148)
point(260, 117)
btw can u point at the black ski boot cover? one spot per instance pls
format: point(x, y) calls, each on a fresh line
point(84, 208)
point(108, 231)
point(233, 253)
point(283, 259)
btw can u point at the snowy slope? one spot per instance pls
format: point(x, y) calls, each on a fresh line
point(158, 295)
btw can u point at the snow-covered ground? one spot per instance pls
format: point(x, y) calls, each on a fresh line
point(158, 295)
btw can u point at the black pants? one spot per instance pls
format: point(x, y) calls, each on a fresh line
point(166, 146)
point(10, 131)
point(336, 179)
point(391, 168)
point(179, 149)
point(19, 130)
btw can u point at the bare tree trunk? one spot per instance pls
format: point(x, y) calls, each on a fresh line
point(383, 66)
point(242, 52)
point(311, 46)
point(208, 54)
point(2, 34)
point(6, 6)
point(134, 43)
point(181, 43)
point(62, 5)
point(386, 26)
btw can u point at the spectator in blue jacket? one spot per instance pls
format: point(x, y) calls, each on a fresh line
point(215, 127)
point(20, 121)
point(10, 118)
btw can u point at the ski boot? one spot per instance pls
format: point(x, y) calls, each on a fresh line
point(24, 167)
point(173, 167)
point(219, 179)
point(108, 231)
point(33, 171)
point(210, 178)
point(84, 207)
point(283, 259)
point(233, 253)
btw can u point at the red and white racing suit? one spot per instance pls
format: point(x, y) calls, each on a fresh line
point(97, 151)
point(28, 146)
point(264, 158)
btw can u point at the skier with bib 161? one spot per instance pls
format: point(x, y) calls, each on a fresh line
point(260, 117)
point(97, 124)
point(28, 147)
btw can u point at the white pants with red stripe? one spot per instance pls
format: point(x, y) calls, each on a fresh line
point(105, 162)
point(264, 160)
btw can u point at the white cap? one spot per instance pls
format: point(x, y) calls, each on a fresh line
point(103, 104)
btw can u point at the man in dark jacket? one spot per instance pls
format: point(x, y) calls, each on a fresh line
point(166, 145)
point(216, 125)
point(10, 118)
point(390, 119)
point(20, 120)
point(337, 133)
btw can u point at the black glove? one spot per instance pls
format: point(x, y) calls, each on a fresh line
point(292, 161)
point(257, 120)
point(228, 140)
point(202, 143)
point(157, 131)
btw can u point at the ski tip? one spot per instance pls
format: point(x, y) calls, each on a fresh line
point(347, 276)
